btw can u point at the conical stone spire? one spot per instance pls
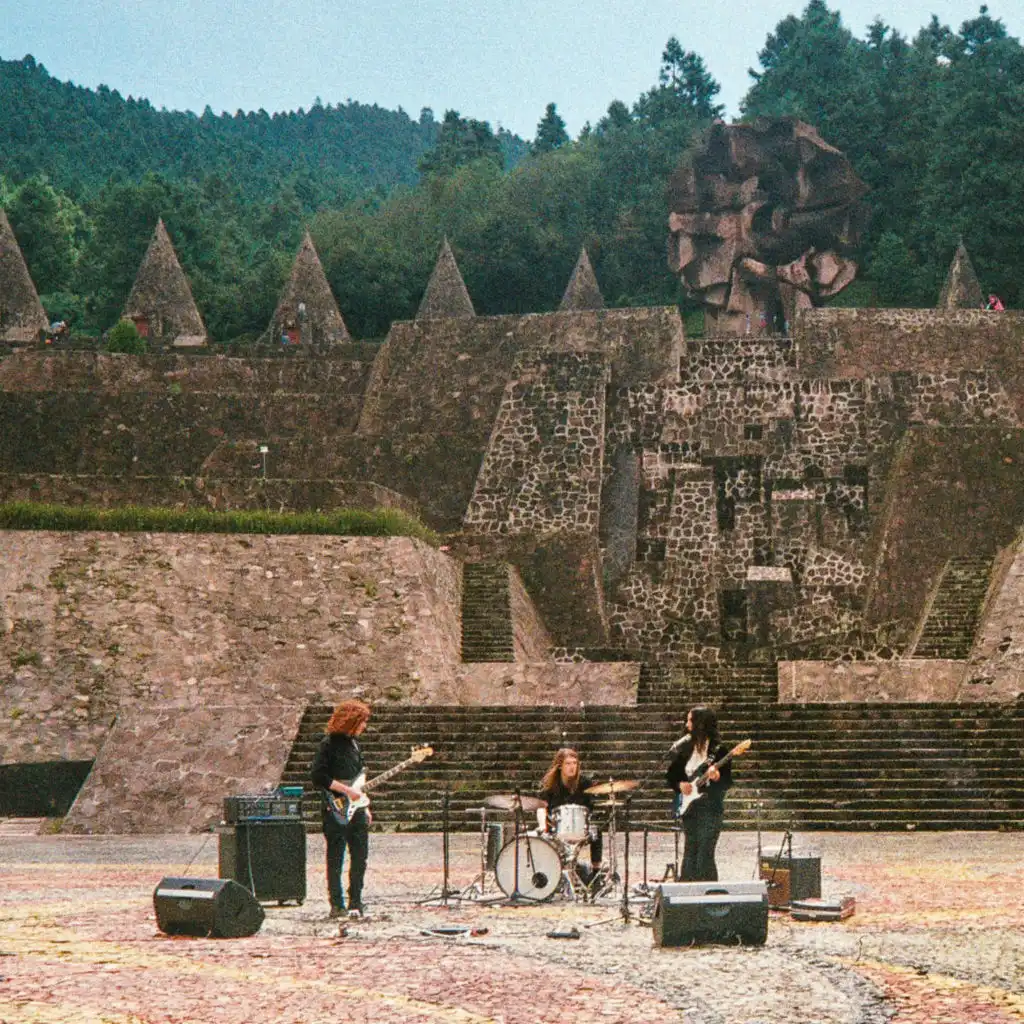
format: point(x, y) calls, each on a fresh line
point(307, 311)
point(446, 295)
point(962, 289)
point(582, 291)
point(21, 313)
point(161, 298)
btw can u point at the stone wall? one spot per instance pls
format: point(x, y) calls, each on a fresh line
point(833, 682)
point(542, 470)
point(166, 770)
point(835, 342)
point(996, 665)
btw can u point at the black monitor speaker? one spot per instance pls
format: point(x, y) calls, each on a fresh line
point(215, 907)
point(691, 913)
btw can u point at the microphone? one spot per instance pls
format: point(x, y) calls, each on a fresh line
point(678, 743)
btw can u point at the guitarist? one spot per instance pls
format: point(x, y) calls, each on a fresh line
point(702, 824)
point(338, 762)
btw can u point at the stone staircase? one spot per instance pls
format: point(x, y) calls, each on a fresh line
point(721, 686)
point(814, 766)
point(952, 619)
point(486, 612)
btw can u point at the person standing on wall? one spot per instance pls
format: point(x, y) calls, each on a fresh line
point(337, 765)
point(702, 820)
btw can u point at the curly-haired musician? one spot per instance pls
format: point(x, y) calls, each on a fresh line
point(337, 763)
point(702, 820)
point(564, 784)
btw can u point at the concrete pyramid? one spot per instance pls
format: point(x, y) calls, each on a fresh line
point(307, 311)
point(962, 289)
point(161, 302)
point(446, 296)
point(582, 291)
point(22, 316)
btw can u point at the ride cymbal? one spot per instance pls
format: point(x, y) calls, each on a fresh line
point(511, 802)
point(617, 786)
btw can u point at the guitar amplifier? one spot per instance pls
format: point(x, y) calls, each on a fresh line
point(278, 806)
point(790, 878)
point(687, 913)
point(267, 857)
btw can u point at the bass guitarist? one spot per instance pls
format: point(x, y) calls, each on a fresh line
point(338, 762)
point(693, 771)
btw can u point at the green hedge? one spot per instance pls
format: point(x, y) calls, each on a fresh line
point(380, 522)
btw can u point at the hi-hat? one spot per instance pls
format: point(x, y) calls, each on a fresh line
point(619, 786)
point(512, 802)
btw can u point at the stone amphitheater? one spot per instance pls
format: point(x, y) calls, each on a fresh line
point(816, 529)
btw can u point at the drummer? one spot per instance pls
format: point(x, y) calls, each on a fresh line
point(563, 784)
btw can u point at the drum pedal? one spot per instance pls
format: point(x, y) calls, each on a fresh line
point(670, 873)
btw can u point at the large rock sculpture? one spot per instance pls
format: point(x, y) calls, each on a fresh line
point(765, 218)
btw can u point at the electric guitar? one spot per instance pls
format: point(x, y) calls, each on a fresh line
point(343, 808)
point(700, 785)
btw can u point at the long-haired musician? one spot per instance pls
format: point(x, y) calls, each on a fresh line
point(339, 762)
point(564, 785)
point(702, 822)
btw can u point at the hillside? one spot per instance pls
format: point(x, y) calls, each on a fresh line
point(80, 138)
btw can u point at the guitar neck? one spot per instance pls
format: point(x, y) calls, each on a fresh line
point(384, 776)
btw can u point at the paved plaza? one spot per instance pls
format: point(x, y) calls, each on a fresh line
point(937, 937)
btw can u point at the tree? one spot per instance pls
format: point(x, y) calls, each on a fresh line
point(551, 131)
point(460, 141)
point(45, 224)
point(124, 337)
point(685, 76)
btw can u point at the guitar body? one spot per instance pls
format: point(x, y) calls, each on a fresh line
point(343, 809)
point(686, 801)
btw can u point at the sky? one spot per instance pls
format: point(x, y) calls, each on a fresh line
point(501, 62)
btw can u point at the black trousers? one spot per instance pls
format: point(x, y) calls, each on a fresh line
point(701, 829)
point(355, 837)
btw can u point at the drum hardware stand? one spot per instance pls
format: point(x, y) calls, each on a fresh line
point(517, 898)
point(478, 887)
point(446, 891)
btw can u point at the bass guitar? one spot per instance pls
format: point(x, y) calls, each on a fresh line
point(343, 808)
point(685, 801)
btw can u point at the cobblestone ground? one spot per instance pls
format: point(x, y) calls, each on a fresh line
point(937, 937)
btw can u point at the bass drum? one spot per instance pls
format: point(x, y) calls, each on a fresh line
point(539, 865)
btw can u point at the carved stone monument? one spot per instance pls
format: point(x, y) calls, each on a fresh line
point(765, 217)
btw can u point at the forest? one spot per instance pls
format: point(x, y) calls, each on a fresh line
point(934, 124)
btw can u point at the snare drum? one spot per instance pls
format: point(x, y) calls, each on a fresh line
point(571, 823)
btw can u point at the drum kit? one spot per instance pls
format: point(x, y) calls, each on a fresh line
point(535, 864)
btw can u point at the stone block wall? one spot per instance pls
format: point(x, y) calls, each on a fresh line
point(542, 470)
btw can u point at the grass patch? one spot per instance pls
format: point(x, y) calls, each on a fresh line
point(380, 522)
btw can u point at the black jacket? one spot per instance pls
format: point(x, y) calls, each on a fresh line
point(337, 757)
point(677, 773)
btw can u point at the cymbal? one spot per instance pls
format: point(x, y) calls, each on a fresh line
point(619, 786)
point(511, 802)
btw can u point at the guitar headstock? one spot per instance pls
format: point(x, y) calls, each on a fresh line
point(742, 748)
point(418, 754)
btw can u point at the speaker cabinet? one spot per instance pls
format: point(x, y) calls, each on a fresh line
point(689, 913)
point(217, 907)
point(267, 857)
point(791, 878)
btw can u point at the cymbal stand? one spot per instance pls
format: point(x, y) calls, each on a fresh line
point(446, 891)
point(478, 887)
point(517, 898)
point(625, 859)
